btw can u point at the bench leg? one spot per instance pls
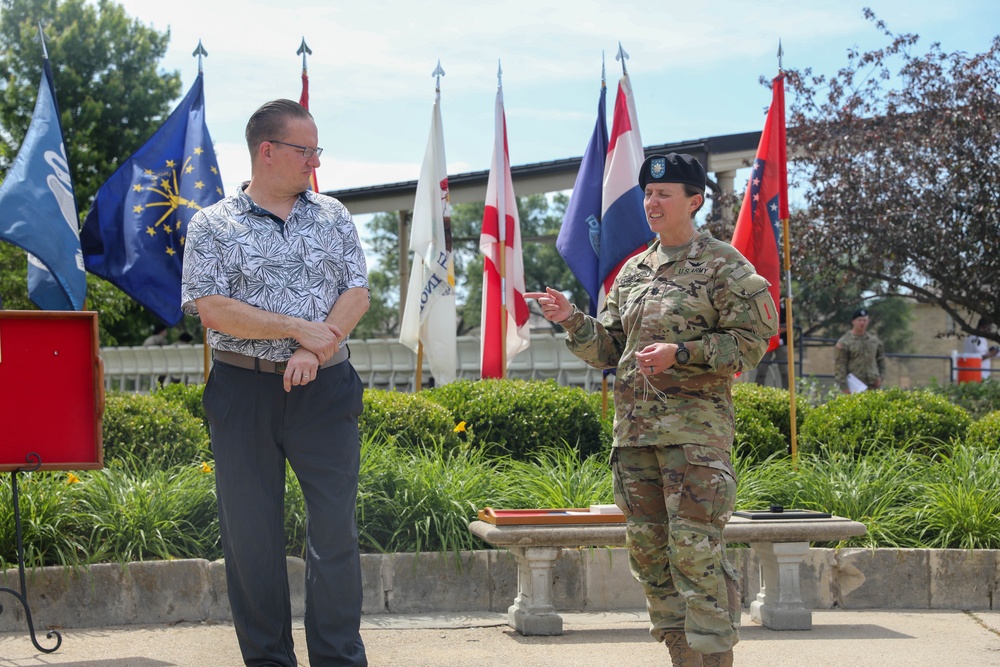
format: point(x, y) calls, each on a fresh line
point(779, 604)
point(532, 612)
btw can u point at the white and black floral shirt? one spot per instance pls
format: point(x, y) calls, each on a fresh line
point(297, 267)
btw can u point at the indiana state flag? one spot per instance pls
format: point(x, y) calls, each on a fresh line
point(38, 209)
point(134, 233)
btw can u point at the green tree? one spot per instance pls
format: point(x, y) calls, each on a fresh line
point(112, 97)
point(901, 171)
point(105, 66)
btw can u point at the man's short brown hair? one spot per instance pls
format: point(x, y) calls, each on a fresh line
point(268, 122)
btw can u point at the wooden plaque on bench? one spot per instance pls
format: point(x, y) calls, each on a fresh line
point(563, 516)
point(51, 390)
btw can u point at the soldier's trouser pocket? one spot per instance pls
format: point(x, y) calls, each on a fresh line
point(708, 493)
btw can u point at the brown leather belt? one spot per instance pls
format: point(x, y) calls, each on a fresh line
point(266, 365)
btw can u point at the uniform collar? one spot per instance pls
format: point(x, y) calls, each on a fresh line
point(663, 255)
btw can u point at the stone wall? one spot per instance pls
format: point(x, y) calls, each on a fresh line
point(594, 580)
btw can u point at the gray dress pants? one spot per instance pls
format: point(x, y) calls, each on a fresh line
point(255, 427)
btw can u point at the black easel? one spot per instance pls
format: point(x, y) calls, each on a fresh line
point(35, 461)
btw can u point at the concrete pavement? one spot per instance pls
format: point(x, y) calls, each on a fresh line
point(882, 638)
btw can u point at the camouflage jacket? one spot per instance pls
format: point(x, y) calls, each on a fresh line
point(862, 355)
point(704, 294)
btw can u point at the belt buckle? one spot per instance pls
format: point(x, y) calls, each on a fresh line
point(280, 366)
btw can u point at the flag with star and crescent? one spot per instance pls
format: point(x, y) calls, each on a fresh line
point(134, 233)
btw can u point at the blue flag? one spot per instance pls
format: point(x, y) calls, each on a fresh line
point(38, 209)
point(134, 233)
point(580, 235)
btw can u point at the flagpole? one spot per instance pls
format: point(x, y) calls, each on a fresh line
point(498, 149)
point(604, 374)
point(789, 319)
point(419, 379)
point(205, 349)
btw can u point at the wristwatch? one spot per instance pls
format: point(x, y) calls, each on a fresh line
point(683, 354)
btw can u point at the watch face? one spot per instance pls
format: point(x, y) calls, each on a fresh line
point(683, 355)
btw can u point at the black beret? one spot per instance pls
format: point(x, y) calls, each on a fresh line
point(860, 312)
point(672, 168)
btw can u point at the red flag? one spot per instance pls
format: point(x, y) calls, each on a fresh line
point(505, 312)
point(765, 203)
point(304, 101)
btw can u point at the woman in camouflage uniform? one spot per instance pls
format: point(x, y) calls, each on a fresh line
point(681, 319)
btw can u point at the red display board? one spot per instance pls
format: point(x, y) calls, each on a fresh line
point(51, 390)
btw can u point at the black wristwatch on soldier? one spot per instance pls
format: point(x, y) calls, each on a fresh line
point(683, 354)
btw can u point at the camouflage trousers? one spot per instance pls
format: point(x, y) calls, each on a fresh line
point(676, 501)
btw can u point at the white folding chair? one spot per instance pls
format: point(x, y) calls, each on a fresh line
point(381, 363)
point(469, 365)
point(573, 372)
point(519, 367)
point(361, 360)
point(404, 366)
point(545, 356)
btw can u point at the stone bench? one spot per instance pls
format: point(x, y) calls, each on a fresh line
point(780, 544)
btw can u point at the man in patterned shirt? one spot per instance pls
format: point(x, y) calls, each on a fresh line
point(278, 277)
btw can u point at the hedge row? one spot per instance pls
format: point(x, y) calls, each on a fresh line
point(518, 418)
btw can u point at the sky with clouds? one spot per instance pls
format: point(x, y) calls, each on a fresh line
point(695, 72)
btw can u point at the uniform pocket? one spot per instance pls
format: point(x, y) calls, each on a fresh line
point(622, 499)
point(708, 493)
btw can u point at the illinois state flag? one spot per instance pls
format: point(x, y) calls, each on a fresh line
point(134, 233)
point(579, 240)
point(429, 316)
point(624, 231)
point(38, 209)
point(505, 312)
point(765, 203)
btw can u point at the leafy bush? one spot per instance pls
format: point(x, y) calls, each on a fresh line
point(978, 398)
point(761, 413)
point(421, 498)
point(50, 525)
point(897, 419)
point(958, 506)
point(153, 430)
point(188, 396)
point(756, 437)
point(518, 417)
point(556, 477)
point(409, 419)
point(985, 433)
point(138, 511)
point(773, 403)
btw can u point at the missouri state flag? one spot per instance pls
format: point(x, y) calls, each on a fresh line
point(624, 231)
point(134, 233)
point(765, 202)
point(505, 312)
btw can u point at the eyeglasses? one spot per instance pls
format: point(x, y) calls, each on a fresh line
point(306, 151)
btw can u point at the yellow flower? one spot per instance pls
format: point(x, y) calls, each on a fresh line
point(205, 467)
point(72, 479)
point(460, 428)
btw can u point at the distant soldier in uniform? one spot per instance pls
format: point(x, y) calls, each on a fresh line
point(859, 352)
point(681, 319)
